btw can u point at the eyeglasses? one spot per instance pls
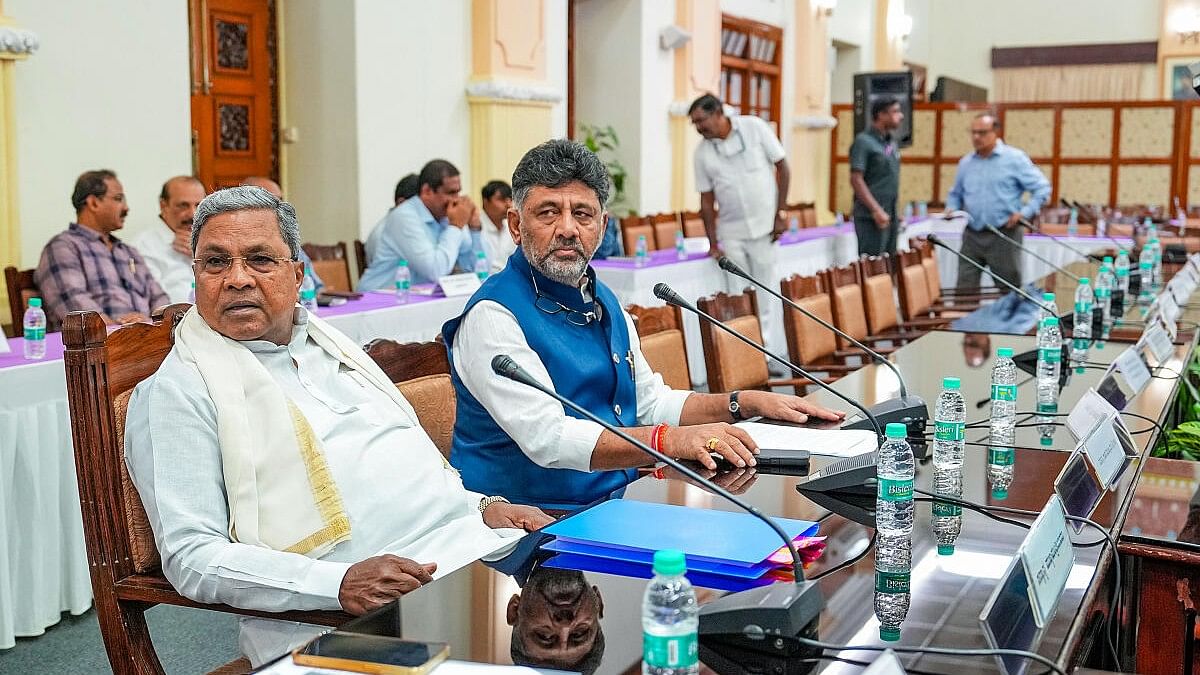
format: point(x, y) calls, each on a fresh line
point(723, 147)
point(573, 316)
point(258, 262)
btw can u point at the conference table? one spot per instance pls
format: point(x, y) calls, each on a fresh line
point(468, 607)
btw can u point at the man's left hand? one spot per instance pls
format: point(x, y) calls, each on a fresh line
point(1013, 220)
point(784, 407)
point(781, 226)
point(182, 242)
point(503, 514)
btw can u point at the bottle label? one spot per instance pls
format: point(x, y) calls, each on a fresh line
point(1081, 343)
point(306, 296)
point(1102, 293)
point(948, 431)
point(1047, 408)
point(403, 285)
point(1000, 456)
point(892, 582)
point(34, 334)
point(944, 509)
point(1083, 307)
point(1050, 355)
point(675, 651)
point(1004, 392)
point(895, 489)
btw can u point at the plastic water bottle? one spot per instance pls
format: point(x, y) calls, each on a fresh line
point(1004, 397)
point(894, 501)
point(640, 253)
point(481, 266)
point(839, 219)
point(947, 517)
point(1049, 364)
point(1081, 331)
point(192, 294)
point(892, 594)
point(35, 330)
point(670, 619)
point(1156, 277)
point(908, 211)
point(1145, 295)
point(1105, 283)
point(1049, 306)
point(680, 246)
point(403, 281)
point(922, 210)
point(1101, 227)
point(308, 293)
point(949, 425)
point(1146, 256)
point(1123, 264)
point(1073, 222)
point(1120, 296)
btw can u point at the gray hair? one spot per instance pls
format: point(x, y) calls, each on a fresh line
point(556, 163)
point(244, 198)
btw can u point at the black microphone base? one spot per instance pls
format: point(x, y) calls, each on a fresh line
point(779, 610)
point(911, 411)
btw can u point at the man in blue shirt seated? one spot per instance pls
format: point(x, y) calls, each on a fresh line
point(548, 311)
point(432, 232)
point(989, 187)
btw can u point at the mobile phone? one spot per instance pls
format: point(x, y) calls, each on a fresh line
point(371, 654)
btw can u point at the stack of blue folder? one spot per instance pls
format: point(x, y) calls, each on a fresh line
point(726, 550)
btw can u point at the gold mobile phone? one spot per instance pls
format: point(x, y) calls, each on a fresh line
point(371, 654)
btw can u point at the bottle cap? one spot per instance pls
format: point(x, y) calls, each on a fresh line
point(641, 237)
point(945, 549)
point(480, 255)
point(402, 263)
point(1048, 297)
point(1004, 352)
point(669, 561)
point(1050, 321)
point(1000, 494)
point(1047, 440)
point(1084, 281)
point(889, 634)
point(35, 302)
point(896, 430)
point(951, 383)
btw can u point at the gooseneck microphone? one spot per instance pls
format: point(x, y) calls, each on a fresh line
point(995, 230)
point(1088, 256)
point(933, 239)
point(668, 295)
point(777, 609)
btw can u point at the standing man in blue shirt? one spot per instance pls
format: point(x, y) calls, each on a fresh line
point(989, 187)
point(432, 232)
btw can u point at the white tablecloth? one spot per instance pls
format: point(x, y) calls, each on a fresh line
point(43, 562)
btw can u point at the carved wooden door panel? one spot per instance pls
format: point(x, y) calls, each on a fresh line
point(233, 90)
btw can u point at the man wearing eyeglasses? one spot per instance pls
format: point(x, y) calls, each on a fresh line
point(548, 311)
point(279, 466)
point(88, 268)
point(989, 186)
point(741, 169)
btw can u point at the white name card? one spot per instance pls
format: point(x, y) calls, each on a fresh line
point(1105, 452)
point(454, 285)
point(1168, 306)
point(1133, 369)
point(1158, 340)
point(1048, 558)
point(1091, 410)
point(694, 245)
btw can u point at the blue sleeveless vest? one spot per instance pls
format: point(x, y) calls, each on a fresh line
point(587, 364)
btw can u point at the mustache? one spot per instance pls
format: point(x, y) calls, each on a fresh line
point(564, 243)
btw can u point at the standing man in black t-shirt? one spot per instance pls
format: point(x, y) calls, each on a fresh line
point(875, 177)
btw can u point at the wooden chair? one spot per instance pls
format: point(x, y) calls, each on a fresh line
point(665, 226)
point(730, 363)
point(693, 224)
point(968, 298)
point(360, 257)
point(879, 299)
point(20, 289)
point(127, 579)
point(915, 301)
point(849, 313)
point(660, 330)
point(1061, 229)
point(810, 344)
point(332, 264)
point(633, 227)
point(421, 371)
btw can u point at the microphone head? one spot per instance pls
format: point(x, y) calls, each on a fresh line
point(667, 294)
point(932, 238)
point(729, 266)
point(502, 364)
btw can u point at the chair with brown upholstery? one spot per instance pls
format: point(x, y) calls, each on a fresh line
point(915, 300)
point(849, 312)
point(127, 579)
point(20, 289)
point(879, 299)
point(660, 330)
point(360, 257)
point(730, 363)
point(1061, 229)
point(421, 371)
point(665, 226)
point(810, 344)
point(332, 264)
point(633, 227)
point(693, 224)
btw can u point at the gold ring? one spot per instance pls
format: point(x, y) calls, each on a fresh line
point(711, 443)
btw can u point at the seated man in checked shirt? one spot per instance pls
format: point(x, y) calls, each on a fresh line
point(86, 267)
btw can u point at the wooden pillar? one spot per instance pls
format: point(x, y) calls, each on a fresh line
point(697, 71)
point(15, 45)
point(889, 34)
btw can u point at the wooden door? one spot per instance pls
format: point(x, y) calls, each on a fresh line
point(233, 90)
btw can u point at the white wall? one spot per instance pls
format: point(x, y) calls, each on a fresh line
point(774, 12)
point(851, 28)
point(556, 64)
point(107, 89)
point(657, 84)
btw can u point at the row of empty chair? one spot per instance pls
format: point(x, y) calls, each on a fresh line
point(659, 229)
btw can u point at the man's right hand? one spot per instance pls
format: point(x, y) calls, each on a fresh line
point(459, 211)
point(691, 442)
point(376, 581)
point(882, 219)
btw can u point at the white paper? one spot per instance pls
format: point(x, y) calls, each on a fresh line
point(454, 285)
point(1091, 410)
point(1160, 343)
point(1104, 451)
point(1133, 369)
point(829, 442)
point(694, 245)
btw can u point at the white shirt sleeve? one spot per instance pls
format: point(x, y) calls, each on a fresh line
point(657, 403)
point(183, 491)
point(704, 182)
point(771, 145)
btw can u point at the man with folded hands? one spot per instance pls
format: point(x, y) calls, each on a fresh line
point(279, 467)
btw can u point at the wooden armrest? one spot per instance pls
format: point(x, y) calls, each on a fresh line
point(155, 589)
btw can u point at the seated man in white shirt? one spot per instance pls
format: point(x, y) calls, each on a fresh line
point(166, 246)
point(279, 467)
point(497, 242)
point(548, 311)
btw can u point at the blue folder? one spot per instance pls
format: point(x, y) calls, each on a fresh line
point(726, 537)
point(646, 558)
point(583, 563)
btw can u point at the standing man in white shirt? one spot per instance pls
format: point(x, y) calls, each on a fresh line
point(166, 247)
point(497, 240)
point(741, 169)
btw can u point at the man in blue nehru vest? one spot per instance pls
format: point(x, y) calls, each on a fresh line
point(549, 313)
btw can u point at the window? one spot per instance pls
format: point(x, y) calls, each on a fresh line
point(751, 54)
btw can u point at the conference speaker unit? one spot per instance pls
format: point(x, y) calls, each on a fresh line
point(870, 87)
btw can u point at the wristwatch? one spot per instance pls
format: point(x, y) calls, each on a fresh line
point(735, 408)
point(782, 214)
point(488, 501)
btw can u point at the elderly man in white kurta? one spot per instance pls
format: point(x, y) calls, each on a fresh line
point(279, 467)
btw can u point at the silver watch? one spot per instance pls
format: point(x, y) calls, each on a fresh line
point(488, 501)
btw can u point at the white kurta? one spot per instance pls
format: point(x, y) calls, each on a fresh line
point(398, 494)
point(172, 269)
point(497, 242)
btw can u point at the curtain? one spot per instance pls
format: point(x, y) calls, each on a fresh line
point(1116, 82)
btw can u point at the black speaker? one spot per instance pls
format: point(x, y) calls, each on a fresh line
point(869, 87)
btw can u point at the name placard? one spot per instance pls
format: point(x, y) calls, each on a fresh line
point(1048, 558)
point(1159, 342)
point(454, 285)
point(1105, 451)
point(1091, 410)
point(1133, 369)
